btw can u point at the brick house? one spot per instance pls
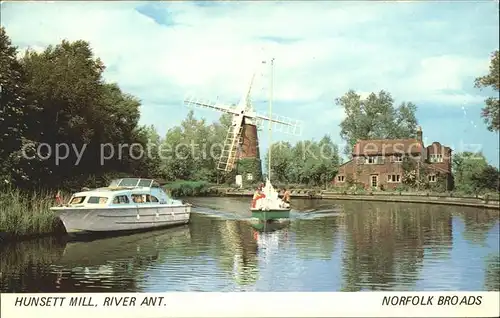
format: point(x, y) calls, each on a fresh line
point(379, 163)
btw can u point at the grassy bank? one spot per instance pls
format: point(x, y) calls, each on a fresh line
point(26, 215)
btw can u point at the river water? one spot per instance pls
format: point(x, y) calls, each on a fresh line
point(326, 246)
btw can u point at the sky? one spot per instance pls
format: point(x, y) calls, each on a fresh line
point(426, 52)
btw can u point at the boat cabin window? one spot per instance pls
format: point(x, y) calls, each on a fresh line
point(120, 199)
point(77, 200)
point(98, 200)
point(144, 198)
point(139, 198)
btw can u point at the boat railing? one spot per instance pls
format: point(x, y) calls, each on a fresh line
point(116, 188)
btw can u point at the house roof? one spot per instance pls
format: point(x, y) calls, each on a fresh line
point(349, 161)
point(387, 147)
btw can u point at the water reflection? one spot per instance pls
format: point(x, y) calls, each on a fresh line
point(478, 223)
point(363, 246)
point(270, 226)
point(24, 266)
point(385, 244)
point(492, 275)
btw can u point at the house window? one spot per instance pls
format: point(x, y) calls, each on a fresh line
point(340, 178)
point(397, 158)
point(432, 178)
point(370, 160)
point(374, 181)
point(120, 199)
point(393, 178)
point(436, 158)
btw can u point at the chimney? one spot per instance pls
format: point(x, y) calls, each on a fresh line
point(419, 134)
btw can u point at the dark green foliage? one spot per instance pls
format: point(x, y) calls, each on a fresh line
point(182, 188)
point(307, 162)
point(191, 151)
point(14, 112)
point(491, 111)
point(473, 174)
point(250, 165)
point(59, 97)
point(375, 117)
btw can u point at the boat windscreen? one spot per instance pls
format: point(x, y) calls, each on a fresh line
point(129, 182)
point(145, 183)
point(115, 182)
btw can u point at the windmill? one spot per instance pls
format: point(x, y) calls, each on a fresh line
point(241, 139)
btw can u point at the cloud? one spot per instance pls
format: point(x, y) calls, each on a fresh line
point(160, 51)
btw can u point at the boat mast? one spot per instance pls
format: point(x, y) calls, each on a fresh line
point(270, 117)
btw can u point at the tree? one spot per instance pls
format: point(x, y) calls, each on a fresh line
point(375, 117)
point(307, 162)
point(473, 174)
point(149, 165)
point(330, 161)
point(491, 112)
point(281, 159)
point(192, 149)
point(58, 98)
point(14, 108)
point(11, 101)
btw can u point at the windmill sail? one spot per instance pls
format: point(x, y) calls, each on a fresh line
point(243, 114)
point(230, 148)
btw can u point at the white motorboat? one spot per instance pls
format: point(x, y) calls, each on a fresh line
point(127, 204)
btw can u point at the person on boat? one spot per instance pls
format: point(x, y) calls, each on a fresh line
point(58, 198)
point(258, 194)
point(286, 196)
point(137, 198)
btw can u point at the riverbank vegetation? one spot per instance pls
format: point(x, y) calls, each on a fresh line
point(182, 188)
point(26, 214)
point(58, 113)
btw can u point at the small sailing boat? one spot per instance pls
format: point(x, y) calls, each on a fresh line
point(270, 207)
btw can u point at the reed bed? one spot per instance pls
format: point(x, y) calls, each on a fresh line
point(27, 214)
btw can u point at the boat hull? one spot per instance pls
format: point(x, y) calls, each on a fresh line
point(271, 214)
point(270, 226)
point(84, 220)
